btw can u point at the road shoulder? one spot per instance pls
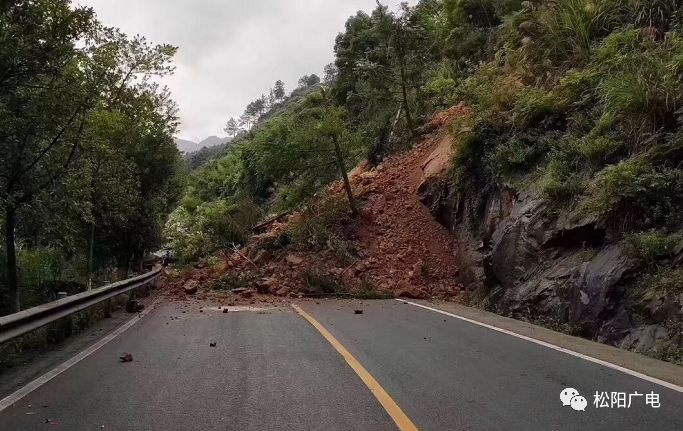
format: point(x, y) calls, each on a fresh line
point(665, 371)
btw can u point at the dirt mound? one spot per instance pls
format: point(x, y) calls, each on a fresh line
point(398, 247)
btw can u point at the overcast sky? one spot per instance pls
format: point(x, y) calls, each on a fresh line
point(231, 51)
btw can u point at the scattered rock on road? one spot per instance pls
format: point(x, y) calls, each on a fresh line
point(357, 311)
point(126, 357)
point(212, 344)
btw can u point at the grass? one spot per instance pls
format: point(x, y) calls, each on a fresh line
point(650, 247)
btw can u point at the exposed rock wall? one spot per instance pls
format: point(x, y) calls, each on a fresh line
point(522, 259)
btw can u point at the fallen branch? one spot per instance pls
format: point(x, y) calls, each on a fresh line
point(236, 250)
point(269, 221)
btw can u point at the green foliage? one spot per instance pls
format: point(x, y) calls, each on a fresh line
point(665, 280)
point(209, 227)
point(650, 247)
point(635, 186)
point(319, 225)
point(87, 148)
point(533, 106)
point(511, 157)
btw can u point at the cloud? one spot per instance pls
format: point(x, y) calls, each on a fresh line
point(231, 51)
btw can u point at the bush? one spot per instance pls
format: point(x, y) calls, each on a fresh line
point(322, 284)
point(212, 226)
point(533, 106)
point(572, 26)
point(562, 179)
point(634, 186)
point(597, 150)
point(649, 247)
point(513, 156)
point(319, 226)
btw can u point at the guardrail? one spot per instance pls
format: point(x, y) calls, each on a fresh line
point(25, 321)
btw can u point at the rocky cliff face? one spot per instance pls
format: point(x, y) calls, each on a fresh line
point(557, 268)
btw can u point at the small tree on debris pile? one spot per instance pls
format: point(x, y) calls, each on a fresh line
point(333, 126)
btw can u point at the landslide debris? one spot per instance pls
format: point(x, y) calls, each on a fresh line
point(394, 247)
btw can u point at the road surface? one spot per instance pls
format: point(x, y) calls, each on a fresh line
point(273, 370)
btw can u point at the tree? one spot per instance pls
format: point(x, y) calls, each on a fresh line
point(47, 90)
point(76, 102)
point(279, 91)
point(232, 127)
point(332, 126)
point(330, 74)
point(307, 81)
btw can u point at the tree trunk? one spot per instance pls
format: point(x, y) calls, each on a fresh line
point(12, 282)
point(91, 248)
point(406, 107)
point(345, 177)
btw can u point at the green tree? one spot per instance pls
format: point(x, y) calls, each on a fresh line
point(279, 91)
point(47, 89)
point(232, 127)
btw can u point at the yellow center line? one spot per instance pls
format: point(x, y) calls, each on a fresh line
point(402, 421)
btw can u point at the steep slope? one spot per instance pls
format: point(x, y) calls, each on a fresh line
point(393, 247)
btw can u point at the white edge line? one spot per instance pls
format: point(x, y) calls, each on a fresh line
point(554, 347)
point(12, 399)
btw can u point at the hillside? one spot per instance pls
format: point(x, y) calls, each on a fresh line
point(561, 189)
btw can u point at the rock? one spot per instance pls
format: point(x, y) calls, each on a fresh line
point(126, 357)
point(357, 311)
point(405, 290)
point(264, 285)
point(644, 339)
point(666, 307)
point(190, 287)
point(294, 260)
point(212, 344)
point(283, 291)
point(247, 293)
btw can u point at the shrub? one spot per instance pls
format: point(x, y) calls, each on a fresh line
point(562, 179)
point(597, 150)
point(319, 226)
point(635, 186)
point(213, 225)
point(652, 246)
point(440, 92)
point(515, 155)
point(533, 106)
point(572, 26)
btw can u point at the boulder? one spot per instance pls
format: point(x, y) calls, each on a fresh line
point(264, 285)
point(406, 290)
point(191, 286)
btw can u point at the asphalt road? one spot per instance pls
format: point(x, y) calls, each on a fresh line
point(272, 370)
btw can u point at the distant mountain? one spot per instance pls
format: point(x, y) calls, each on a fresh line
point(190, 147)
point(186, 146)
point(212, 141)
